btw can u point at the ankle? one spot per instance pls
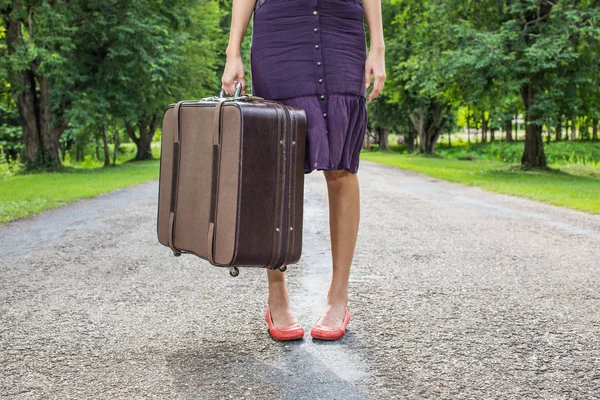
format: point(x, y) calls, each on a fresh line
point(337, 296)
point(338, 291)
point(337, 299)
point(278, 298)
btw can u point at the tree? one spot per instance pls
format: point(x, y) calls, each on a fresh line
point(418, 66)
point(532, 47)
point(94, 60)
point(38, 37)
point(139, 56)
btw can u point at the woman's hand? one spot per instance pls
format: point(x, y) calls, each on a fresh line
point(375, 65)
point(234, 71)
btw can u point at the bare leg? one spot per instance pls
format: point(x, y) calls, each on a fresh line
point(344, 217)
point(279, 302)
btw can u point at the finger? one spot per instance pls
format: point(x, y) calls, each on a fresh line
point(371, 95)
point(243, 92)
point(234, 87)
point(367, 77)
point(242, 83)
point(374, 93)
point(377, 86)
point(230, 88)
point(225, 85)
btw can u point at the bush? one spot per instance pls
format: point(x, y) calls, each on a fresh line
point(557, 153)
point(8, 167)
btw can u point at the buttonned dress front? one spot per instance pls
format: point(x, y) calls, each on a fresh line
point(311, 54)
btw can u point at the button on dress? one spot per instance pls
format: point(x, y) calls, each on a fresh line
point(311, 54)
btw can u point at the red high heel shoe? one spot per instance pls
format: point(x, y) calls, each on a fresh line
point(291, 332)
point(326, 333)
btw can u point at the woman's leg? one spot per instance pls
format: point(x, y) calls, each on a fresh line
point(279, 302)
point(344, 216)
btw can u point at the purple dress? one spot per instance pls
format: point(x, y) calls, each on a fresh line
point(311, 54)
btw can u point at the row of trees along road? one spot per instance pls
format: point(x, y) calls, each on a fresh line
point(78, 66)
point(496, 57)
point(87, 64)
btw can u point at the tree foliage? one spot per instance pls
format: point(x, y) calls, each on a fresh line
point(88, 63)
point(496, 57)
point(75, 71)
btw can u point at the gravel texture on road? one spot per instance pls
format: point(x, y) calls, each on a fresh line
point(455, 293)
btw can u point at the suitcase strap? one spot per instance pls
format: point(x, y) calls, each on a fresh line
point(175, 178)
point(217, 132)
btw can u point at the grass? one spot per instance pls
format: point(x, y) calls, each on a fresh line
point(575, 183)
point(25, 194)
point(562, 153)
point(575, 186)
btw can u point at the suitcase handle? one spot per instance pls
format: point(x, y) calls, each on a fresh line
point(236, 96)
point(238, 90)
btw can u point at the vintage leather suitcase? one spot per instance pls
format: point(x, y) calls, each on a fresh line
point(231, 184)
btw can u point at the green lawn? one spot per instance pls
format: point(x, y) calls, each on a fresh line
point(577, 187)
point(22, 195)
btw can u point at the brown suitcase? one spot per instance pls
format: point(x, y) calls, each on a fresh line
point(231, 184)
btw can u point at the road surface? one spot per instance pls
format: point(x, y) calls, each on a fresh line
point(455, 293)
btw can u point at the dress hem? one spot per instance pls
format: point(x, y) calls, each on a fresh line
point(351, 170)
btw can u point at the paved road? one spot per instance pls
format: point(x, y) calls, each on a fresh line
point(455, 293)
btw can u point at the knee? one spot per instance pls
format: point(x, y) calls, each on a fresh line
point(338, 178)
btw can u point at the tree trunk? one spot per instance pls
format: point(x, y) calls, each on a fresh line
point(484, 127)
point(410, 141)
point(508, 128)
point(50, 133)
point(595, 129)
point(574, 129)
point(23, 84)
point(27, 106)
point(105, 142)
point(468, 126)
point(116, 144)
point(492, 135)
point(558, 133)
point(147, 129)
point(418, 121)
point(429, 122)
point(40, 135)
point(383, 139)
point(533, 156)
point(143, 151)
